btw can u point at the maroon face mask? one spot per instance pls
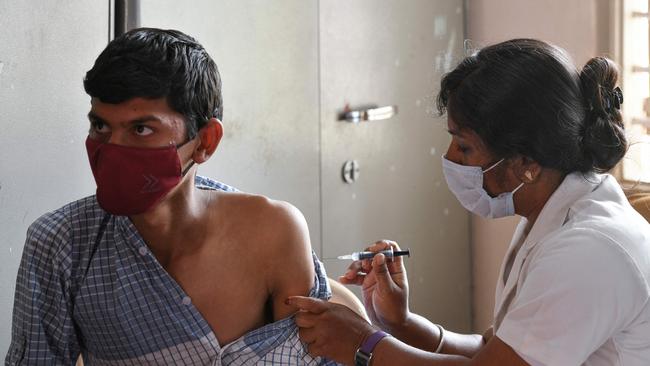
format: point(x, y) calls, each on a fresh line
point(131, 180)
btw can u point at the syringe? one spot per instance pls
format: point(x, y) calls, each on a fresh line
point(389, 253)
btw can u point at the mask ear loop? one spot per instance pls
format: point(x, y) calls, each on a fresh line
point(529, 176)
point(499, 162)
point(189, 167)
point(181, 144)
point(191, 163)
point(493, 165)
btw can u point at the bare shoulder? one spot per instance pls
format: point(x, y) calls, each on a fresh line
point(277, 229)
point(270, 217)
point(287, 226)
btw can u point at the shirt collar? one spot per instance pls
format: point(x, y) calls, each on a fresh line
point(555, 212)
point(553, 216)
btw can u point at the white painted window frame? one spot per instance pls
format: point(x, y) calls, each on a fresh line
point(630, 47)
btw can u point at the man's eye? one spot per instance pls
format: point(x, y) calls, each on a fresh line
point(463, 149)
point(100, 127)
point(143, 130)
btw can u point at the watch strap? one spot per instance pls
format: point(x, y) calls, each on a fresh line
point(364, 354)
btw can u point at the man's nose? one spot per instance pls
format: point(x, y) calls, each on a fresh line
point(117, 138)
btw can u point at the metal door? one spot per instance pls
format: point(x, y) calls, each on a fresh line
point(381, 54)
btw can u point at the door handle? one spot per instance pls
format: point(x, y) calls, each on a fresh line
point(368, 114)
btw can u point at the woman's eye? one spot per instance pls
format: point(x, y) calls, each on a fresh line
point(143, 130)
point(463, 149)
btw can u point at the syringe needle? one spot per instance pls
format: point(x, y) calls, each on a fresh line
point(347, 256)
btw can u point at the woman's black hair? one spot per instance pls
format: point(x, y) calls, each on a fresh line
point(155, 63)
point(525, 97)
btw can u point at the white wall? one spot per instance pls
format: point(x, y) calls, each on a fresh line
point(579, 26)
point(43, 162)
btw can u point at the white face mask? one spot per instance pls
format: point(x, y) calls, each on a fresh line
point(466, 182)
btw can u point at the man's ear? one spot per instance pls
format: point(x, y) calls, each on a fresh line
point(209, 137)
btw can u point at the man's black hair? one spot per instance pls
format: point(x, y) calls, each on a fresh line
point(155, 63)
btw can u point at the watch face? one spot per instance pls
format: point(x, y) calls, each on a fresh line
point(361, 358)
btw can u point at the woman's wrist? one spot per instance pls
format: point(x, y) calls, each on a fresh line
point(441, 338)
point(363, 335)
point(419, 332)
point(387, 352)
point(364, 353)
point(402, 327)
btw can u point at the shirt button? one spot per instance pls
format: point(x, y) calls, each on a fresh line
point(143, 251)
point(187, 300)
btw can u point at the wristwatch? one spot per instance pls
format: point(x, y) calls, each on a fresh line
point(364, 354)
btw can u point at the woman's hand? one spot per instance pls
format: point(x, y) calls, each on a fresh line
point(329, 330)
point(385, 287)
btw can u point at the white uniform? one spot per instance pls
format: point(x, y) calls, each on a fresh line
point(578, 292)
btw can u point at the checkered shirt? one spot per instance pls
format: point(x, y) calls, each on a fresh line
point(88, 284)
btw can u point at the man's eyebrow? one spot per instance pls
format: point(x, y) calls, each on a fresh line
point(94, 118)
point(148, 118)
point(143, 119)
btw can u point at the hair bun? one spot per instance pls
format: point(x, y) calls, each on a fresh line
point(615, 99)
point(604, 141)
point(598, 79)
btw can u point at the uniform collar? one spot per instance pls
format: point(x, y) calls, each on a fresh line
point(553, 216)
point(556, 210)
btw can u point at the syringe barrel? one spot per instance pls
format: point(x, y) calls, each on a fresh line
point(369, 255)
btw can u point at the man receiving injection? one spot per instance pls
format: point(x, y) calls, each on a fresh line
point(155, 268)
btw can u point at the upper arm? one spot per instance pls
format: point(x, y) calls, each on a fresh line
point(42, 326)
point(497, 353)
point(290, 256)
point(573, 298)
point(342, 295)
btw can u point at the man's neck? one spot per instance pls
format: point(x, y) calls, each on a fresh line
point(174, 221)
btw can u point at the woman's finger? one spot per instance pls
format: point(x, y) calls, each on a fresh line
point(354, 268)
point(305, 319)
point(310, 304)
point(383, 245)
point(315, 349)
point(357, 280)
point(382, 274)
point(395, 264)
point(307, 335)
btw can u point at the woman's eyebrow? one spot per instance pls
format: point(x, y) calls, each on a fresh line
point(454, 132)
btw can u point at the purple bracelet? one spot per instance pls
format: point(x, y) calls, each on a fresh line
point(370, 342)
point(364, 353)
